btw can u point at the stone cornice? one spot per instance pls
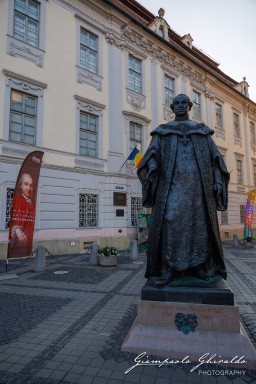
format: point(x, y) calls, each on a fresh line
point(136, 118)
point(89, 102)
point(115, 39)
point(24, 79)
point(145, 45)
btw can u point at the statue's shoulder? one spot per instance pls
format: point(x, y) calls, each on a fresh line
point(163, 129)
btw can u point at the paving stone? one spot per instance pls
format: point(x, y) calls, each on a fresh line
point(19, 313)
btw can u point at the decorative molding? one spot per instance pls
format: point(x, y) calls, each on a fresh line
point(92, 23)
point(252, 113)
point(220, 133)
point(89, 164)
point(156, 51)
point(238, 141)
point(18, 76)
point(238, 156)
point(136, 100)
point(24, 83)
point(222, 150)
point(170, 71)
point(89, 105)
point(118, 41)
point(85, 11)
point(141, 120)
point(167, 113)
point(14, 151)
point(20, 48)
point(240, 188)
point(131, 170)
point(209, 94)
point(85, 77)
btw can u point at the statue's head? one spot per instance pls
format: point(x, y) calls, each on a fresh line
point(181, 105)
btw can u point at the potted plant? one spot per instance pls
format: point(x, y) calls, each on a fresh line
point(107, 256)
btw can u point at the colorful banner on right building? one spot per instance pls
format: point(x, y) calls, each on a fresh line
point(249, 215)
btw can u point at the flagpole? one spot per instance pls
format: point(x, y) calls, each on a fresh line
point(122, 166)
point(127, 158)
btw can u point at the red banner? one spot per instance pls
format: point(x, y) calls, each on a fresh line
point(24, 207)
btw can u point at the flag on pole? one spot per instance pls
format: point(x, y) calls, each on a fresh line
point(24, 207)
point(136, 157)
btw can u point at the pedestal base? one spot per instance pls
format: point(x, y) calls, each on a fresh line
point(177, 330)
point(191, 290)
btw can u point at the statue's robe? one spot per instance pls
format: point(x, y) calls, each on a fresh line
point(184, 231)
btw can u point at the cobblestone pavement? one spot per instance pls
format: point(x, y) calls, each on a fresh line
point(67, 328)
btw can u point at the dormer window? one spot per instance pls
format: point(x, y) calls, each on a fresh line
point(159, 25)
point(187, 40)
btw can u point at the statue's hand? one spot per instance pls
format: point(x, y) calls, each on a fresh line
point(217, 190)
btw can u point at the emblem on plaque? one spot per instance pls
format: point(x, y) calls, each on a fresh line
point(186, 323)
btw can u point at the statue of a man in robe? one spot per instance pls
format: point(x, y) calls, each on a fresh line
point(185, 180)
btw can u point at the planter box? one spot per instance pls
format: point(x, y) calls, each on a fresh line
point(107, 261)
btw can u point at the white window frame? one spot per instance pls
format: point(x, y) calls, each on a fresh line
point(131, 211)
point(140, 127)
point(96, 134)
point(236, 125)
point(26, 85)
point(83, 75)
point(197, 107)
point(19, 48)
point(166, 75)
point(218, 124)
point(239, 171)
point(252, 132)
point(87, 192)
point(92, 108)
point(130, 55)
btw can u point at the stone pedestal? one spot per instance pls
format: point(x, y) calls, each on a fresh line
point(179, 329)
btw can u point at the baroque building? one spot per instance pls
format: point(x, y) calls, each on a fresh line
point(84, 82)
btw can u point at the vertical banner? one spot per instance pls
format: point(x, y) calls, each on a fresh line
point(249, 215)
point(24, 207)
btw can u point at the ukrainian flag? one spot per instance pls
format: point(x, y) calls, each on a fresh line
point(136, 157)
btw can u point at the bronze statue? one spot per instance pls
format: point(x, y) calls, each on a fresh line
point(185, 180)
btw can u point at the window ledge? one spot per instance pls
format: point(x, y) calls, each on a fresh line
point(136, 100)
point(86, 77)
point(26, 51)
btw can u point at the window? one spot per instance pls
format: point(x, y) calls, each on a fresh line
point(135, 74)
point(236, 125)
point(196, 105)
point(239, 172)
point(254, 173)
point(168, 90)
point(88, 210)
point(26, 21)
point(135, 136)
point(27, 30)
point(218, 116)
point(252, 132)
point(88, 51)
point(23, 118)
point(224, 217)
point(242, 210)
point(9, 198)
point(88, 134)
point(136, 207)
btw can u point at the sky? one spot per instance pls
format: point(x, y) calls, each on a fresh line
point(223, 29)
